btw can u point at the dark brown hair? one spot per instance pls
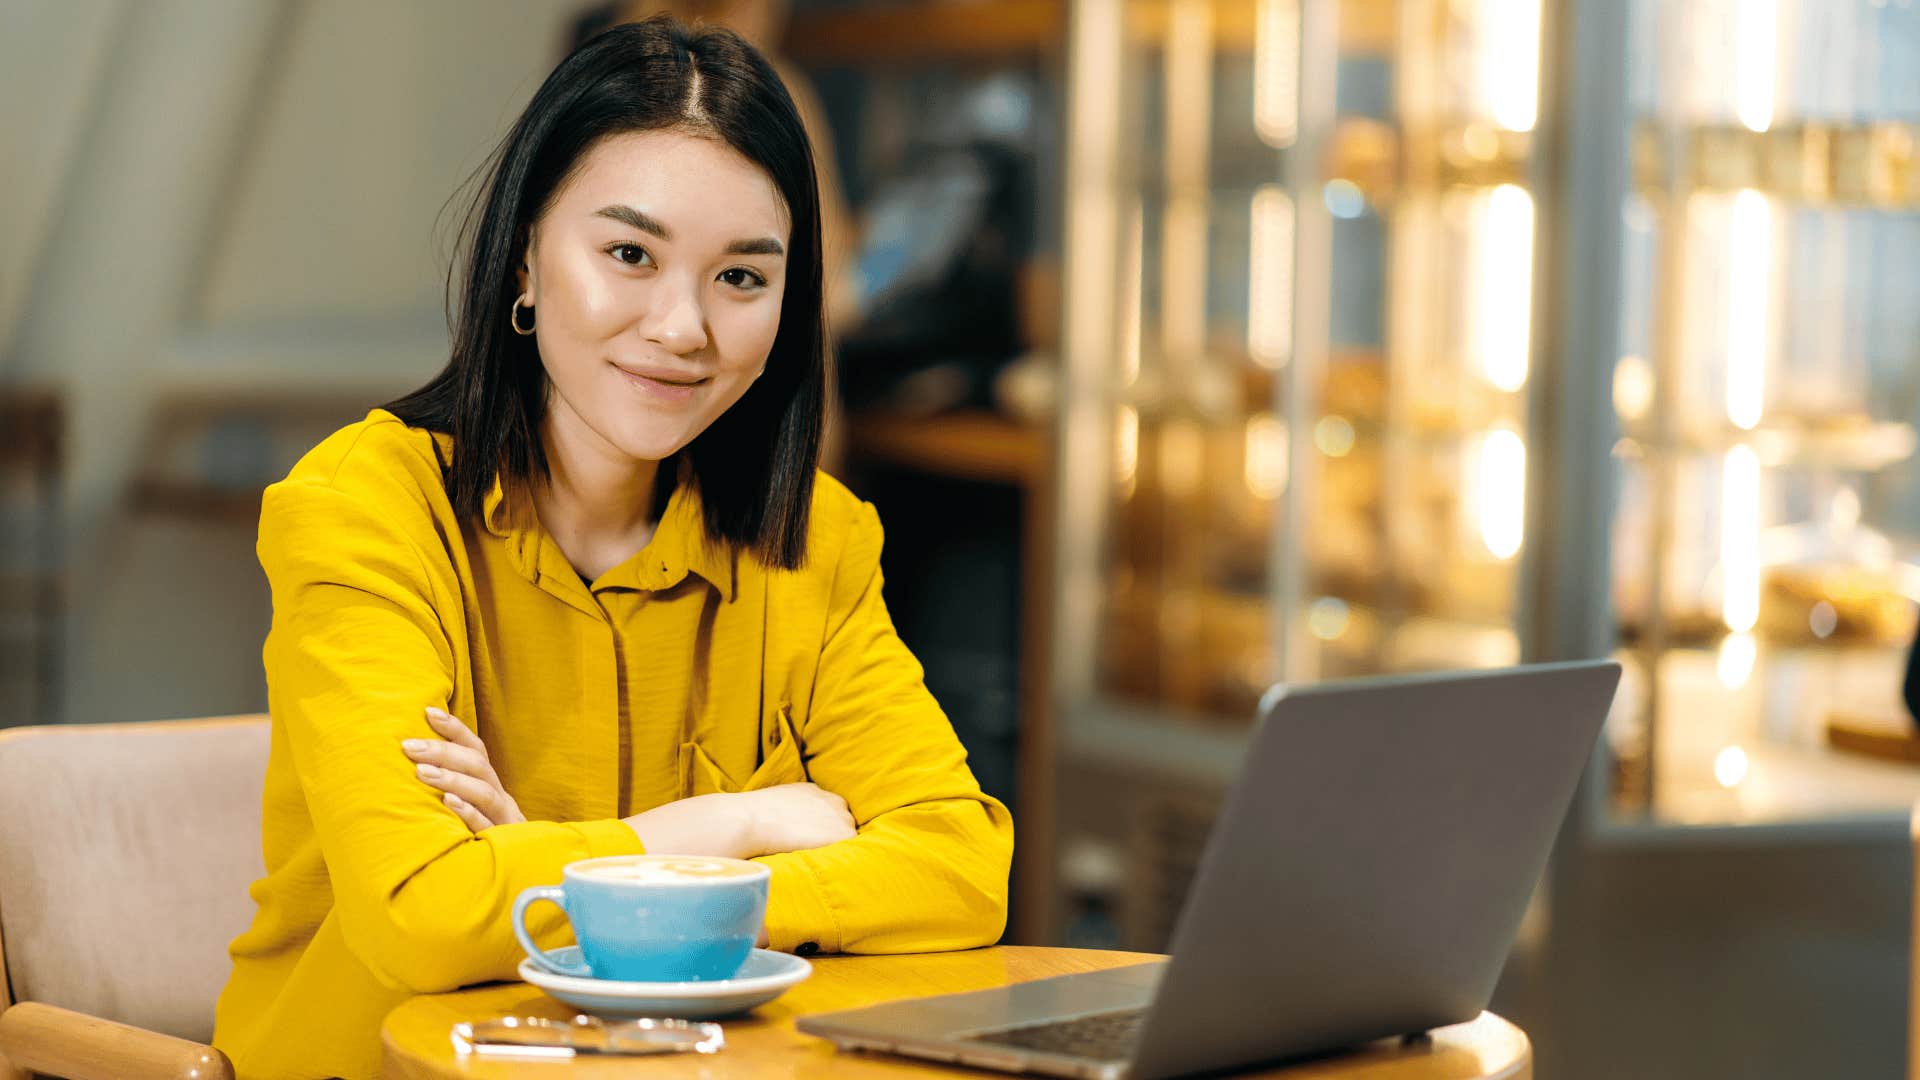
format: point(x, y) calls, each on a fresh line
point(754, 465)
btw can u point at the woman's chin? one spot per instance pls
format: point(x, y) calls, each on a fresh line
point(652, 445)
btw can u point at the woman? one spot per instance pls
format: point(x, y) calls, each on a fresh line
point(584, 593)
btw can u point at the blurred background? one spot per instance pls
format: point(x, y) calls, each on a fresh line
point(1185, 346)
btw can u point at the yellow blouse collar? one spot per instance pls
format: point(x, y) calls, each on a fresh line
point(679, 545)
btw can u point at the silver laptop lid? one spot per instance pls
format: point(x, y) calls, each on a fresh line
point(1371, 864)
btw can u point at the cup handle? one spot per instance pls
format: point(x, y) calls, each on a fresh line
point(541, 958)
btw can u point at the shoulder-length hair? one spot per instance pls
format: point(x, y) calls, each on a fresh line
point(753, 467)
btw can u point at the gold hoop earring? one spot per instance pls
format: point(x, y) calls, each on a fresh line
point(514, 318)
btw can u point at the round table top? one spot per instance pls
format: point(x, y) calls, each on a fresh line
point(417, 1039)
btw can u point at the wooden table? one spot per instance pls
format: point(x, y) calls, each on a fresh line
point(416, 1039)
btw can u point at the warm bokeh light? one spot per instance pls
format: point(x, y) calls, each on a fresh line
point(1126, 449)
point(1509, 61)
point(1740, 539)
point(1734, 662)
point(1730, 766)
point(1334, 436)
point(1749, 259)
point(1189, 105)
point(1500, 492)
point(1266, 456)
point(1844, 511)
point(1276, 72)
point(1503, 288)
point(1328, 618)
point(1755, 33)
point(1131, 284)
point(1633, 387)
point(1270, 277)
point(1823, 619)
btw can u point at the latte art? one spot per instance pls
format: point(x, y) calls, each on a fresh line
point(666, 869)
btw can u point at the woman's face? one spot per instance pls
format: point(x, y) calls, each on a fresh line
point(655, 280)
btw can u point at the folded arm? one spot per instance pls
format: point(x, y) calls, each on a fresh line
point(355, 656)
point(928, 868)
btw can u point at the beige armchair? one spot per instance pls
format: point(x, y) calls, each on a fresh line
point(125, 855)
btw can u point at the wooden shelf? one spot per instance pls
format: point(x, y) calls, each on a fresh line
point(971, 445)
point(25, 590)
point(193, 500)
point(1366, 27)
point(1872, 164)
point(30, 425)
point(1874, 739)
point(897, 33)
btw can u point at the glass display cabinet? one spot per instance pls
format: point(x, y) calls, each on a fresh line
point(1341, 393)
point(1437, 333)
point(1763, 574)
point(1315, 402)
point(1300, 360)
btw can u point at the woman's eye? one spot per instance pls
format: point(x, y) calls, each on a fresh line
point(742, 278)
point(630, 254)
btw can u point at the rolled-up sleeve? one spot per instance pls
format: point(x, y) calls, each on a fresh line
point(355, 655)
point(928, 868)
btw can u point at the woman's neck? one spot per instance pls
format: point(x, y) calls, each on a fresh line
point(596, 503)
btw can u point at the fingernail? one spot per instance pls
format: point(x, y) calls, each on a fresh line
point(452, 799)
point(413, 746)
point(426, 770)
point(436, 714)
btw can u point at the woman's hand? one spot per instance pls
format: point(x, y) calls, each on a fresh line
point(797, 817)
point(457, 765)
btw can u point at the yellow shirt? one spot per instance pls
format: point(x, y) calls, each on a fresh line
point(682, 671)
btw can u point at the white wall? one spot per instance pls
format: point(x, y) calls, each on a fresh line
point(364, 135)
point(51, 54)
point(215, 196)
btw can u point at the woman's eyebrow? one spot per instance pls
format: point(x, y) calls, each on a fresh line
point(765, 245)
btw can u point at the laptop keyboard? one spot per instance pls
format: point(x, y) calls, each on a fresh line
point(1102, 1036)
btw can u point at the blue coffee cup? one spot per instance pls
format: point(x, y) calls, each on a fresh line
point(653, 918)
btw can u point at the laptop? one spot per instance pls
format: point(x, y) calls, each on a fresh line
point(1365, 879)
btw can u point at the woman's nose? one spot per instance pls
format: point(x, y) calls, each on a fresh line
point(679, 322)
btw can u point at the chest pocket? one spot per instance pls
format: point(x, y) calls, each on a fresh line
point(782, 763)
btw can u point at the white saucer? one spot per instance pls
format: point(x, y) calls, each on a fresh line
point(765, 976)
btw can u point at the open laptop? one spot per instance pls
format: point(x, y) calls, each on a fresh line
point(1365, 879)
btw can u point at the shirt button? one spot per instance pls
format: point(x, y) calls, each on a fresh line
point(806, 948)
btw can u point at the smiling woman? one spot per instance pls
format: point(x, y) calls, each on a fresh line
point(653, 316)
point(585, 593)
point(650, 294)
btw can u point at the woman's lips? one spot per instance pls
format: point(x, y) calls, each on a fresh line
point(661, 388)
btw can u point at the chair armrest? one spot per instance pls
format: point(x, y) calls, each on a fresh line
point(41, 1038)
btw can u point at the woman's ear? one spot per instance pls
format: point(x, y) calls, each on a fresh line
point(523, 275)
